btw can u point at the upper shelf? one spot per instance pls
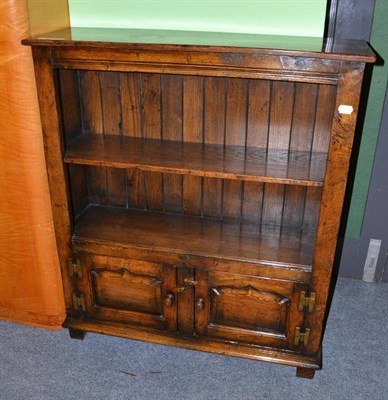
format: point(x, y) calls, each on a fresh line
point(352, 50)
point(209, 160)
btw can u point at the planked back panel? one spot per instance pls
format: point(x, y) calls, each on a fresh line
point(277, 115)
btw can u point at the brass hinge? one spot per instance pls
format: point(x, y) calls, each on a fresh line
point(79, 302)
point(301, 337)
point(307, 302)
point(75, 267)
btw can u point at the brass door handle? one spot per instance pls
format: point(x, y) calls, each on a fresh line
point(179, 289)
point(169, 299)
point(199, 304)
point(188, 282)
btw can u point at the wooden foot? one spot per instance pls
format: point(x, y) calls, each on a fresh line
point(307, 373)
point(77, 334)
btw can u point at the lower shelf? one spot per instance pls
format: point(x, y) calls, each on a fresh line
point(229, 240)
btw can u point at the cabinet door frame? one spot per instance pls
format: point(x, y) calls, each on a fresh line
point(157, 278)
point(204, 318)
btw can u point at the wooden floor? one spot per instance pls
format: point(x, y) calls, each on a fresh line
point(233, 240)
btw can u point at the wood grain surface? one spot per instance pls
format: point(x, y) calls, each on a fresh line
point(192, 235)
point(209, 160)
point(30, 284)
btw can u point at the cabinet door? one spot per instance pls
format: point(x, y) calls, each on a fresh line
point(247, 309)
point(130, 291)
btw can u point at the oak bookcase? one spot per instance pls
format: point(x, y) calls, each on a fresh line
point(197, 182)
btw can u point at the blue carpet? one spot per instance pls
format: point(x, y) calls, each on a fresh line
point(39, 364)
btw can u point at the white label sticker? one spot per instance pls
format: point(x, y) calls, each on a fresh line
point(344, 109)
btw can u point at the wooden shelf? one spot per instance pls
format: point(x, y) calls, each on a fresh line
point(215, 161)
point(231, 240)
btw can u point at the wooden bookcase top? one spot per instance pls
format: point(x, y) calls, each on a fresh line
point(136, 39)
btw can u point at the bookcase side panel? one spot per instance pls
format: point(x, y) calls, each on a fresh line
point(57, 177)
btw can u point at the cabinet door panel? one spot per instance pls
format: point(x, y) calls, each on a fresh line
point(130, 291)
point(127, 291)
point(247, 309)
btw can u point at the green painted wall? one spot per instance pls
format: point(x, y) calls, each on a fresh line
point(370, 132)
point(281, 17)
